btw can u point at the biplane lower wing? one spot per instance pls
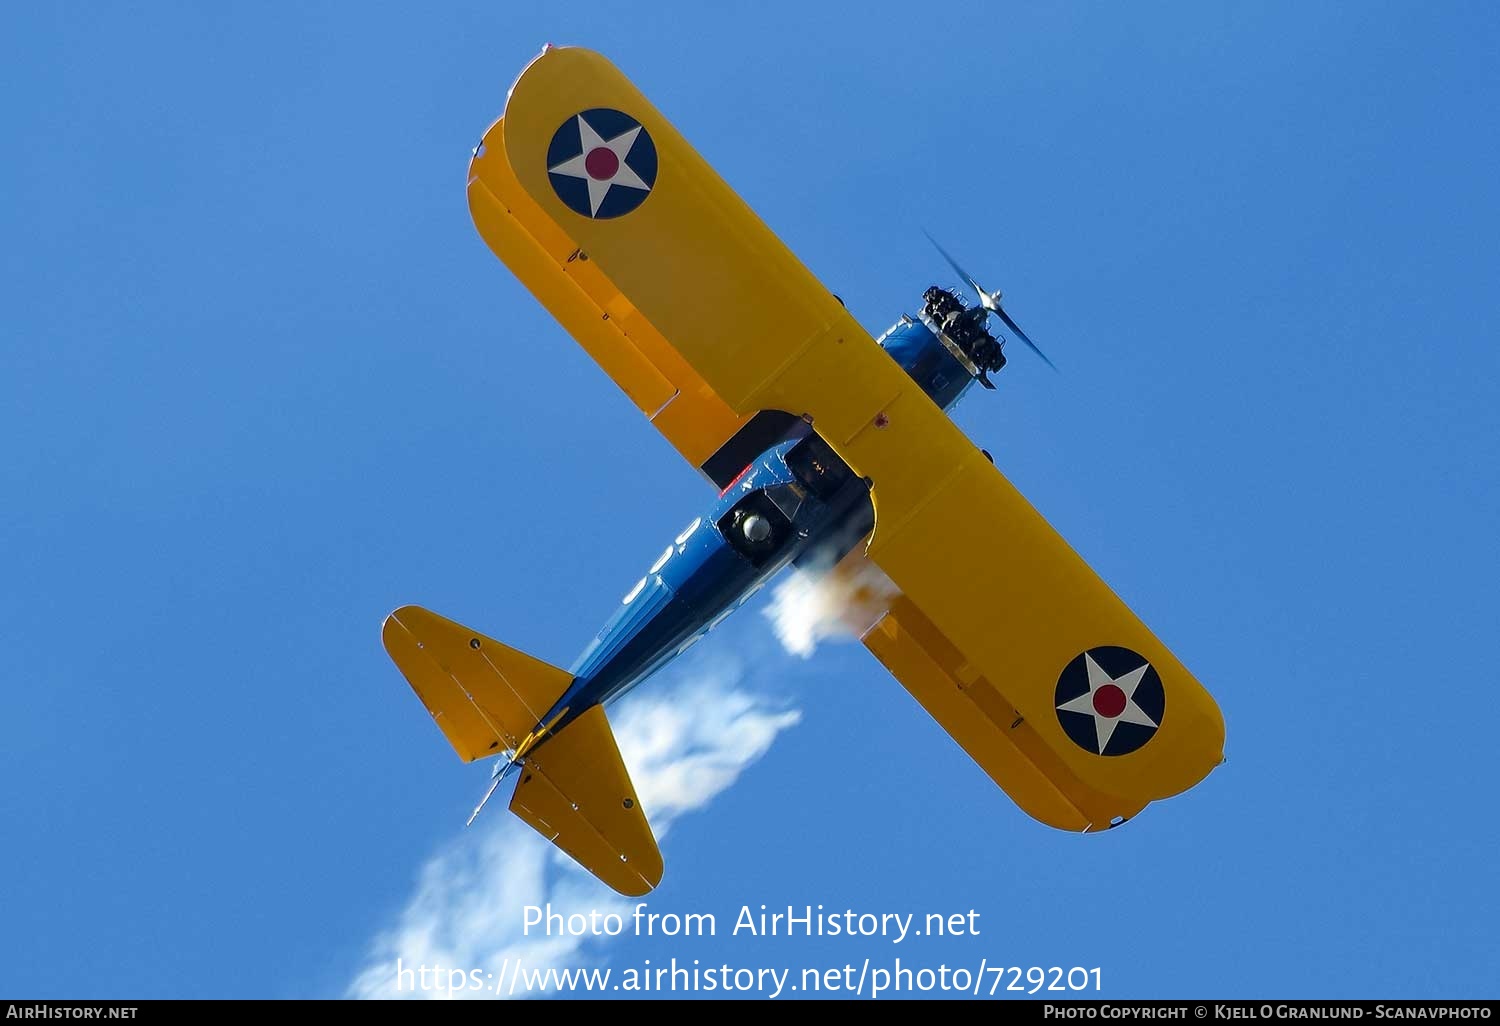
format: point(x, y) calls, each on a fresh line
point(1086, 715)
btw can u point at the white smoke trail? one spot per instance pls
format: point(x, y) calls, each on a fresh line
point(683, 744)
point(813, 605)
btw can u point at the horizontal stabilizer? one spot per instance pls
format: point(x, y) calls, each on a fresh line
point(574, 790)
point(484, 696)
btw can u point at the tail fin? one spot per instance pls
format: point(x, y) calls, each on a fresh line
point(573, 787)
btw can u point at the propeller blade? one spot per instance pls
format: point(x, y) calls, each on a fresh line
point(961, 272)
point(1016, 328)
point(988, 301)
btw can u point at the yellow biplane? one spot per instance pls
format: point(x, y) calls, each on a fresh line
point(831, 450)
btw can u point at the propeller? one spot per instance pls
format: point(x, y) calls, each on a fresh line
point(990, 301)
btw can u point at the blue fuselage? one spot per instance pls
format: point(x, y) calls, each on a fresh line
point(796, 501)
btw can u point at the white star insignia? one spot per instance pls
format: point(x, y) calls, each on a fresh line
point(620, 173)
point(1113, 706)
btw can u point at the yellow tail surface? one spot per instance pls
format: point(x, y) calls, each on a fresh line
point(574, 790)
point(488, 699)
point(485, 697)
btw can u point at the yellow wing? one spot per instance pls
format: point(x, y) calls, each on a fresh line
point(711, 311)
point(570, 285)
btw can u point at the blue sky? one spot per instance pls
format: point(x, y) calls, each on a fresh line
point(263, 383)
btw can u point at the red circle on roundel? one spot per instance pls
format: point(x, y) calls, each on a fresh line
point(1109, 701)
point(601, 163)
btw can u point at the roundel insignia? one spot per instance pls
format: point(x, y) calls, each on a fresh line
point(1110, 700)
point(602, 163)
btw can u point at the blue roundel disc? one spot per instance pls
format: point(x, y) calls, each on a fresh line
point(1110, 700)
point(602, 163)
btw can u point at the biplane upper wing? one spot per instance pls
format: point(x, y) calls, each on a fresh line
point(542, 253)
point(705, 318)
